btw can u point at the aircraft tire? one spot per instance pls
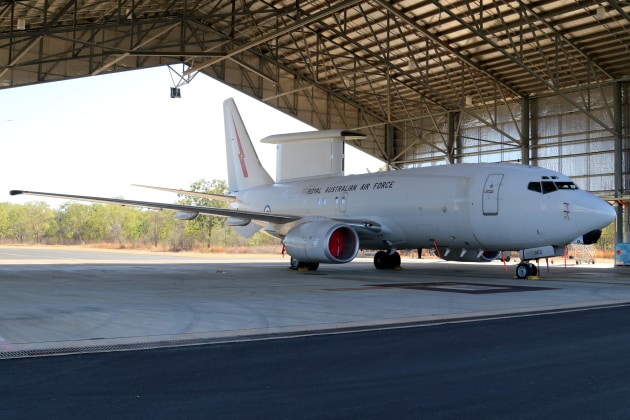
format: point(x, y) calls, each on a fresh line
point(311, 266)
point(383, 260)
point(524, 270)
point(295, 264)
point(380, 260)
point(395, 260)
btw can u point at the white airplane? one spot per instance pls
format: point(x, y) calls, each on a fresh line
point(466, 212)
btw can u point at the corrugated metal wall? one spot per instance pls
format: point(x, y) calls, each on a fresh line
point(561, 137)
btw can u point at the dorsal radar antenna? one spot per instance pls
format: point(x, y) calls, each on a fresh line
point(180, 79)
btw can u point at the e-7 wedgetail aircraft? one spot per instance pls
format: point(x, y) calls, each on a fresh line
point(466, 212)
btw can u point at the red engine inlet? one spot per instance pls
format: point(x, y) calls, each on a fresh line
point(322, 242)
point(336, 242)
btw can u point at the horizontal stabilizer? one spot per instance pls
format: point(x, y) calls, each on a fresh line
point(218, 197)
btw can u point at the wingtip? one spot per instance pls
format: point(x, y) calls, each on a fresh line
point(16, 192)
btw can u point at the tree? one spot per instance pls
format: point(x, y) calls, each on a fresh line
point(71, 221)
point(79, 223)
point(36, 218)
point(98, 226)
point(5, 225)
point(203, 225)
point(10, 225)
point(607, 240)
point(136, 225)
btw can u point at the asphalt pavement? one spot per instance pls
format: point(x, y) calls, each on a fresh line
point(111, 334)
point(572, 365)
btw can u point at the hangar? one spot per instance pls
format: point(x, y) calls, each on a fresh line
point(430, 82)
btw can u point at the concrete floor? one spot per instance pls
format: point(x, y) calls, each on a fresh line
point(67, 300)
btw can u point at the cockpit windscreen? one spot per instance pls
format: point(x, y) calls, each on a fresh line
point(546, 187)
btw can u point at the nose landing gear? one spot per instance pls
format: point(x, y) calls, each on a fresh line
point(526, 269)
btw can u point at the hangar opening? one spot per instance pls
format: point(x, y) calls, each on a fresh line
point(428, 83)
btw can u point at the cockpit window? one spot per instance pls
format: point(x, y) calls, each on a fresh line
point(547, 187)
point(566, 186)
point(534, 186)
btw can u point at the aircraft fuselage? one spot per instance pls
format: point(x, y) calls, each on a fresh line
point(480, 206)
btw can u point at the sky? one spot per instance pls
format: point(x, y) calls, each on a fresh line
point(98, 135)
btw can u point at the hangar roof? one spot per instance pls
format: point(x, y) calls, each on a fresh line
point(352, 64)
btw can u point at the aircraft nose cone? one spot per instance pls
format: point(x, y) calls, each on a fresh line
point(608, 214)
point(600, 214)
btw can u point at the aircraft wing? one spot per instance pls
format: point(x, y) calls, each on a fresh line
point(265, 217)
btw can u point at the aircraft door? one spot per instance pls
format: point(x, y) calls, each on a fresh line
point(490, 202)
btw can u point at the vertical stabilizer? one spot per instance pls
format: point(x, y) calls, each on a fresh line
point(244, 168)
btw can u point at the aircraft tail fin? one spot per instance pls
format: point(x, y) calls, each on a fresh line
point(244, 168)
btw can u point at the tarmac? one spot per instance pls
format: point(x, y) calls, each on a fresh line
point(74, 300)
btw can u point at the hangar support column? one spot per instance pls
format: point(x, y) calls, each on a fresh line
point(454, 140)
point(624, 134)
point(525, 120)
point(619, 190)
point(389, 142)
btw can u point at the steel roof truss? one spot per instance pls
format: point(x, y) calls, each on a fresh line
point(516, 60)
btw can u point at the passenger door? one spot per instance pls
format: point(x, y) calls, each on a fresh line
point(490, 201)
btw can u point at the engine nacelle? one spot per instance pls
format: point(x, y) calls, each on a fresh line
point(185, 215)
point(469, 255)
point(322, 242)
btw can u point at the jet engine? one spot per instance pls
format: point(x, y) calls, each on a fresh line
point(469, 255)
point(322, 242)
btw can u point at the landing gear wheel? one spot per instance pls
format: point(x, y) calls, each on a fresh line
point(380, 260)
point(298, 265)
point(311, 266)
point(394, 260)
point(525, 269)
point(295, 264)
point(383, 260)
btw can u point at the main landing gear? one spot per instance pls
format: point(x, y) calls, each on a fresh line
point(299, 265)
point(526, 269)
point(384, 260)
